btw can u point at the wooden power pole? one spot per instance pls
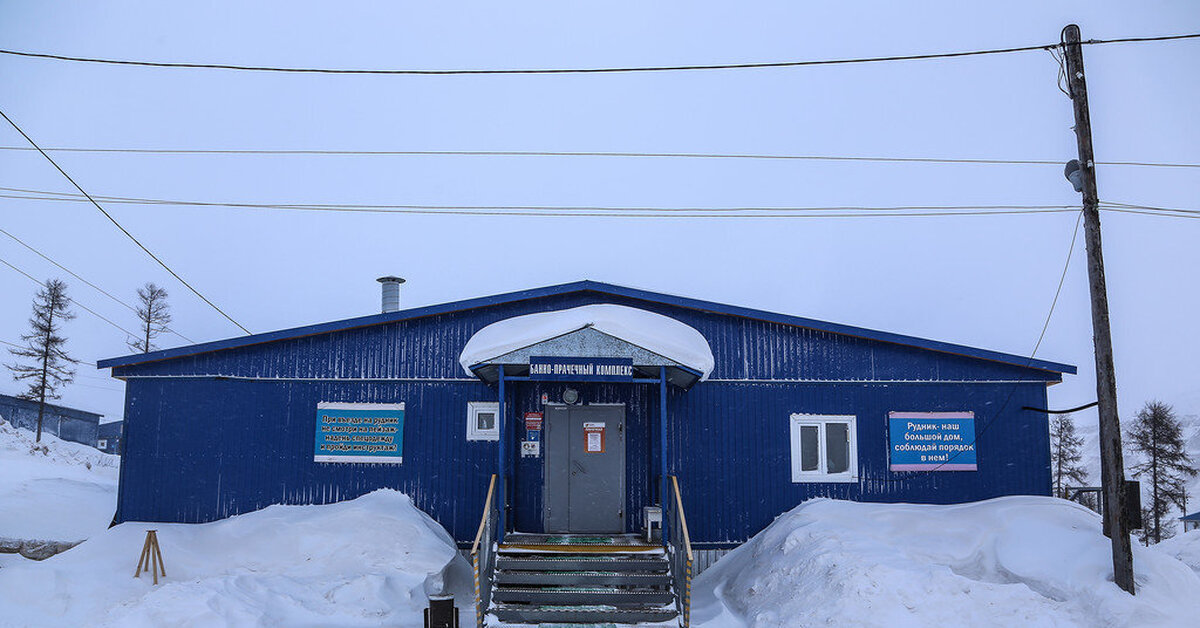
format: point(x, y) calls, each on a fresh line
point(1112, 466)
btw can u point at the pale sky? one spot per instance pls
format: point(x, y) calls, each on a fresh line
point(981, 281)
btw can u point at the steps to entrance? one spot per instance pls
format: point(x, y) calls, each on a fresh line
point(577, 579)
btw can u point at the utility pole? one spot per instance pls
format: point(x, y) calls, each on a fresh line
point(1112, 466)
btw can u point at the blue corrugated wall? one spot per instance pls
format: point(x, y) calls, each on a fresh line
point(199, 448)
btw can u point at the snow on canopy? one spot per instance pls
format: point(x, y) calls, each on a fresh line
point(654, 332)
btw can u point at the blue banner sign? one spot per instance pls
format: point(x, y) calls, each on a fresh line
point(931, 441)
point(360, 432)
point(581, 369)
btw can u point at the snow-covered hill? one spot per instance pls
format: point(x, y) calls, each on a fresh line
point(1011, 561)
point(371, 561)
point(54, 490)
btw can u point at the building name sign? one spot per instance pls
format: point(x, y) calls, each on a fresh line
point(931, 441)
point(580, 369)
point(360, 432)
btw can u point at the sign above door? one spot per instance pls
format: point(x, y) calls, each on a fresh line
point(553, 368)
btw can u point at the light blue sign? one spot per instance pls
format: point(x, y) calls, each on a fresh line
point(931, 441)
point(360, 432)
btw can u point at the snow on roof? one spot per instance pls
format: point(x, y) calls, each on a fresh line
point(654, 332)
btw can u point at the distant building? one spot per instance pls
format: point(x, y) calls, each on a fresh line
point(108, 439)
point(79, 426)
point(1191, 522)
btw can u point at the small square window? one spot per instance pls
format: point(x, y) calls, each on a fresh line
point(481, 420)
point(824, 448)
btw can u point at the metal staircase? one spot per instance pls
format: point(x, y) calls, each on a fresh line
point(581, 580)
point(546, 579)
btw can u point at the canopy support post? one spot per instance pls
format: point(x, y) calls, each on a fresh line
point(500, 460)
point(662, 445)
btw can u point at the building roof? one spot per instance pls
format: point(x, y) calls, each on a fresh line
point(57, 409)
point(595, 287)
point(1192, 517)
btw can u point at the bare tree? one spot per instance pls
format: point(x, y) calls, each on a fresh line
point(1066, 454)
point(154, 314)
point(44, 345)
point(1157, 435)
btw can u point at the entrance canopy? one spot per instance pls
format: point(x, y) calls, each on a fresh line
point(649, 341)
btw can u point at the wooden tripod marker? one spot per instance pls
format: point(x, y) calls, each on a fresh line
point(151, 558)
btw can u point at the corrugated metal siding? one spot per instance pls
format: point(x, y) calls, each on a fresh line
point(201, 449)
point(730, 446)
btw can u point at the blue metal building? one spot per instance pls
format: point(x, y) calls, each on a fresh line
point(793, 409)
point(77, 426)
point(108, 437)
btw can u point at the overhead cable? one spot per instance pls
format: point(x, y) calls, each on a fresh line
point(75, 275)
point(81, 306)
point(1062, 278)
point(538, 153)
point(594, 70)
point(122, 228)
point(601, 211)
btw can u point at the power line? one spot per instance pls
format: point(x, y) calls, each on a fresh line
point(94, 286)
point(581, 210)
point(1151, 207)
point(845, 211)
point(1037, 345)
point(81, 306)
point(538, 153)
point(118, 225)
point(601, 70)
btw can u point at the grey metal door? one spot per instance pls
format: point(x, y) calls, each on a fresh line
point(585, 469)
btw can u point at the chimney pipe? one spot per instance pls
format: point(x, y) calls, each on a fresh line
point(391, 293)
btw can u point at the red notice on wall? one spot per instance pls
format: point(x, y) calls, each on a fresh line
point(533, 421)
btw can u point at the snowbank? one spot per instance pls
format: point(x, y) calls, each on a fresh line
point(1184, 546)
point(661, 334)
point(365, 562)
point(53, 490)
point(1009, 561)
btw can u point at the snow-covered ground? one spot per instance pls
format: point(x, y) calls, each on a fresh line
point(54, 490)
point(1029, 561)
point(364, 562)
point(1185, 547)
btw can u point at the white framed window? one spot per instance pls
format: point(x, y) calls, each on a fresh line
point(824, 448)
point(102, 443)
point(483, 420)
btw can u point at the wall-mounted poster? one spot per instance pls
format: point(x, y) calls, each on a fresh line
point(931, 441)
point(360, 432)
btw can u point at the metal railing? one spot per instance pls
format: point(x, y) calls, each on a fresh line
point(679, 551)
point(483, 554)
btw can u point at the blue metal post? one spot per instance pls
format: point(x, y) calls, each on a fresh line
point(500, 460)
point(662, 449)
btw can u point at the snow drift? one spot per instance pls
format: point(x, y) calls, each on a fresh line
point(1185, 546)
point(1008, 561)
point(654, 332)
point(366, 562)
point(54, 490)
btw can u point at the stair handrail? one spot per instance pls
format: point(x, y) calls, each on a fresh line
point(483, 554)
point(680, 554)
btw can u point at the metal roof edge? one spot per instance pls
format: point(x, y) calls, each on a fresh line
point(838, 328)
point(588, 285)
point(55, 406)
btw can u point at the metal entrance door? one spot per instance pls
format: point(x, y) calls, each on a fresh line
point(585, 469)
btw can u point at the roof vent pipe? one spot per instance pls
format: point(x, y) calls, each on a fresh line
point(391, 293)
